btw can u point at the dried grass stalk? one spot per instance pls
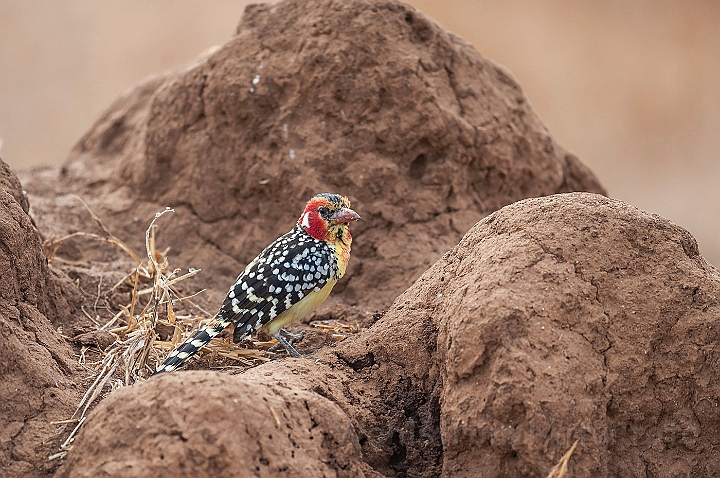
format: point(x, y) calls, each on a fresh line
point(137, 352)
point(335, 326)
point(559, 470)
point(52, 244)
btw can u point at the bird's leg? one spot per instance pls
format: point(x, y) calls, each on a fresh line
point(290, 349)
point(293, 337)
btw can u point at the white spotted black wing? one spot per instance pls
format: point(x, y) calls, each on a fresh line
point(284, 273)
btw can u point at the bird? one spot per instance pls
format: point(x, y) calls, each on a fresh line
point(285, 282)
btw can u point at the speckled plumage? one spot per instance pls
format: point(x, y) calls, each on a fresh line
point(286, 281)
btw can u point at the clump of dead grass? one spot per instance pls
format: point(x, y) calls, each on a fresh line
point(138, 349)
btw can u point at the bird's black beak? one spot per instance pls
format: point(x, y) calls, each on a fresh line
point(345, 215)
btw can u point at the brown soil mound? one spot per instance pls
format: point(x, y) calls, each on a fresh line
point(554, 319)
point(578, 317)
point(368, 98)
point(36, 365)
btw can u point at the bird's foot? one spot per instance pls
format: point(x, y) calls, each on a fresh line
point(288, 346)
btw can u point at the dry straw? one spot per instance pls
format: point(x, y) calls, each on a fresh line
point(137, 350)
point(559, 470)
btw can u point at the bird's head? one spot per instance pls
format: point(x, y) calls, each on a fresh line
point(326, 217)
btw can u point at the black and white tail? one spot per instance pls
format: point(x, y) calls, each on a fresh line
point(191, 346)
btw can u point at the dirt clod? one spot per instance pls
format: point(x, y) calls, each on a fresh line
point(96, 338)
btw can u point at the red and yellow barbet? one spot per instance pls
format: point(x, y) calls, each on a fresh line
point(285, 282)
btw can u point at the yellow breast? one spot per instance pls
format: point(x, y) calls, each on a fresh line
point(301, 309)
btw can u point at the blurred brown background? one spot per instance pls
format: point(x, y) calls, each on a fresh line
point(632, 87)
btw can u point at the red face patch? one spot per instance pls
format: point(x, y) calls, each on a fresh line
point(313, 224)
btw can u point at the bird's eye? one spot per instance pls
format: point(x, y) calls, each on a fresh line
point(324, 212)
